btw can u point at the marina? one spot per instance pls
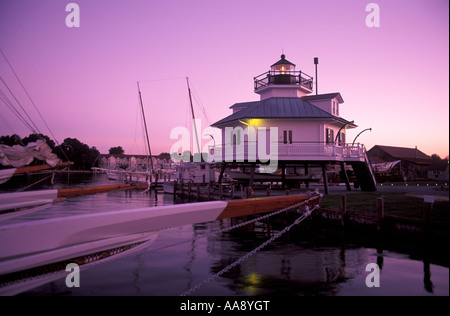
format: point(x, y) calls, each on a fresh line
point(312, 259)
point(206, 160)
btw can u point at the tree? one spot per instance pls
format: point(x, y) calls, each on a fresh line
point(80, 154)
point(116, 150)
point(164, 155)
point(11, 140)
point(435, 157)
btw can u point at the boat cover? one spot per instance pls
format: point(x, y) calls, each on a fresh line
point(19, 156)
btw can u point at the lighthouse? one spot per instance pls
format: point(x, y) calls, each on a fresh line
point(310, 130)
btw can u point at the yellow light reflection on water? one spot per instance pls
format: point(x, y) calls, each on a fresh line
point(252, 283)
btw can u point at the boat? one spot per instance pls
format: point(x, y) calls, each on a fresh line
point(31, 249)
point(16, 204)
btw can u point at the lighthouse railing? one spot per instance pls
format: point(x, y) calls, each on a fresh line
point(288, 77)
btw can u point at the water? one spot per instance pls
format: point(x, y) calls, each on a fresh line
point(303, 262)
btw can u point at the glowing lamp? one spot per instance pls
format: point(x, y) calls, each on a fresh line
point(282, 67)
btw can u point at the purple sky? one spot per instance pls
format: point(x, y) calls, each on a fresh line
point(393, 79)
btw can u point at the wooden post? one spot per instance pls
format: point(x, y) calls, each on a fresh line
point(220, 191)
point(252, 175)
point(181, 189)
point(268, 191)
point(222, 170)
point(306, 173)
point(345, 176)
point(209, 191)
point(287, 192)
point(189, 190)
point(232, 192)
point(343, 208)
point(380, 212)
point(427, 207)
point(283, 176)
point(325, 178)
point(174, 190)
point(198, 191)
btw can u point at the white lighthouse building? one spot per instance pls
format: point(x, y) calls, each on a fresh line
point(308, 128)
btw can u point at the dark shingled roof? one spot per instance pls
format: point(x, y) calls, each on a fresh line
point(277, 108)
point(283, 60)
point(326, 96)
point(403, 153)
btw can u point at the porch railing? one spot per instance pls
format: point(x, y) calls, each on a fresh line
point(293, 151)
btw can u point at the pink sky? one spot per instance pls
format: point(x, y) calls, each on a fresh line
point(394, 79)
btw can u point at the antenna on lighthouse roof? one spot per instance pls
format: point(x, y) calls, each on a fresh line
point(316, 61)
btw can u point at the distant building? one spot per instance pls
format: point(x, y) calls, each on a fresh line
point(413, 164)
point(439, 170)
point(132, 162)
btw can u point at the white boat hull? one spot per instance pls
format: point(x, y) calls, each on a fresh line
point(35, 244)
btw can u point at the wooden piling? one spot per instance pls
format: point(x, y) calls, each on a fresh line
point(380, 213)
point(427, 207)
point(198, 192)
point(325, 178)
point(343, 208)
point(220, 192)
point(181, 189)
point(189, 190)
point(175, 190)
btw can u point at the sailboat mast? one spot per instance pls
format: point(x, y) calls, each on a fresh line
point(145, 126)
point(193, 116)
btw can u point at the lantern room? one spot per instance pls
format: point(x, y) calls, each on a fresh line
point(282, 67)
point(282, 80)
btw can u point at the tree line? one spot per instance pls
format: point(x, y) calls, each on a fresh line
point(71, 149)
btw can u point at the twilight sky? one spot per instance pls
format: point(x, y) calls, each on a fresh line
point(393, 78)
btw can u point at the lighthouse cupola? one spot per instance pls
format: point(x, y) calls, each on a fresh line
point(283, 67)
point(282, 80)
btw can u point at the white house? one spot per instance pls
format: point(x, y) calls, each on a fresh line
point(290, 124)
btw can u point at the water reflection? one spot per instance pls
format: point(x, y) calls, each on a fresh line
point(309, 260)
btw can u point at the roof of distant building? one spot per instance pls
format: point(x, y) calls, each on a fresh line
point(403, 153)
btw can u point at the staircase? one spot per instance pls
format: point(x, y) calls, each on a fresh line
point(364, 174)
